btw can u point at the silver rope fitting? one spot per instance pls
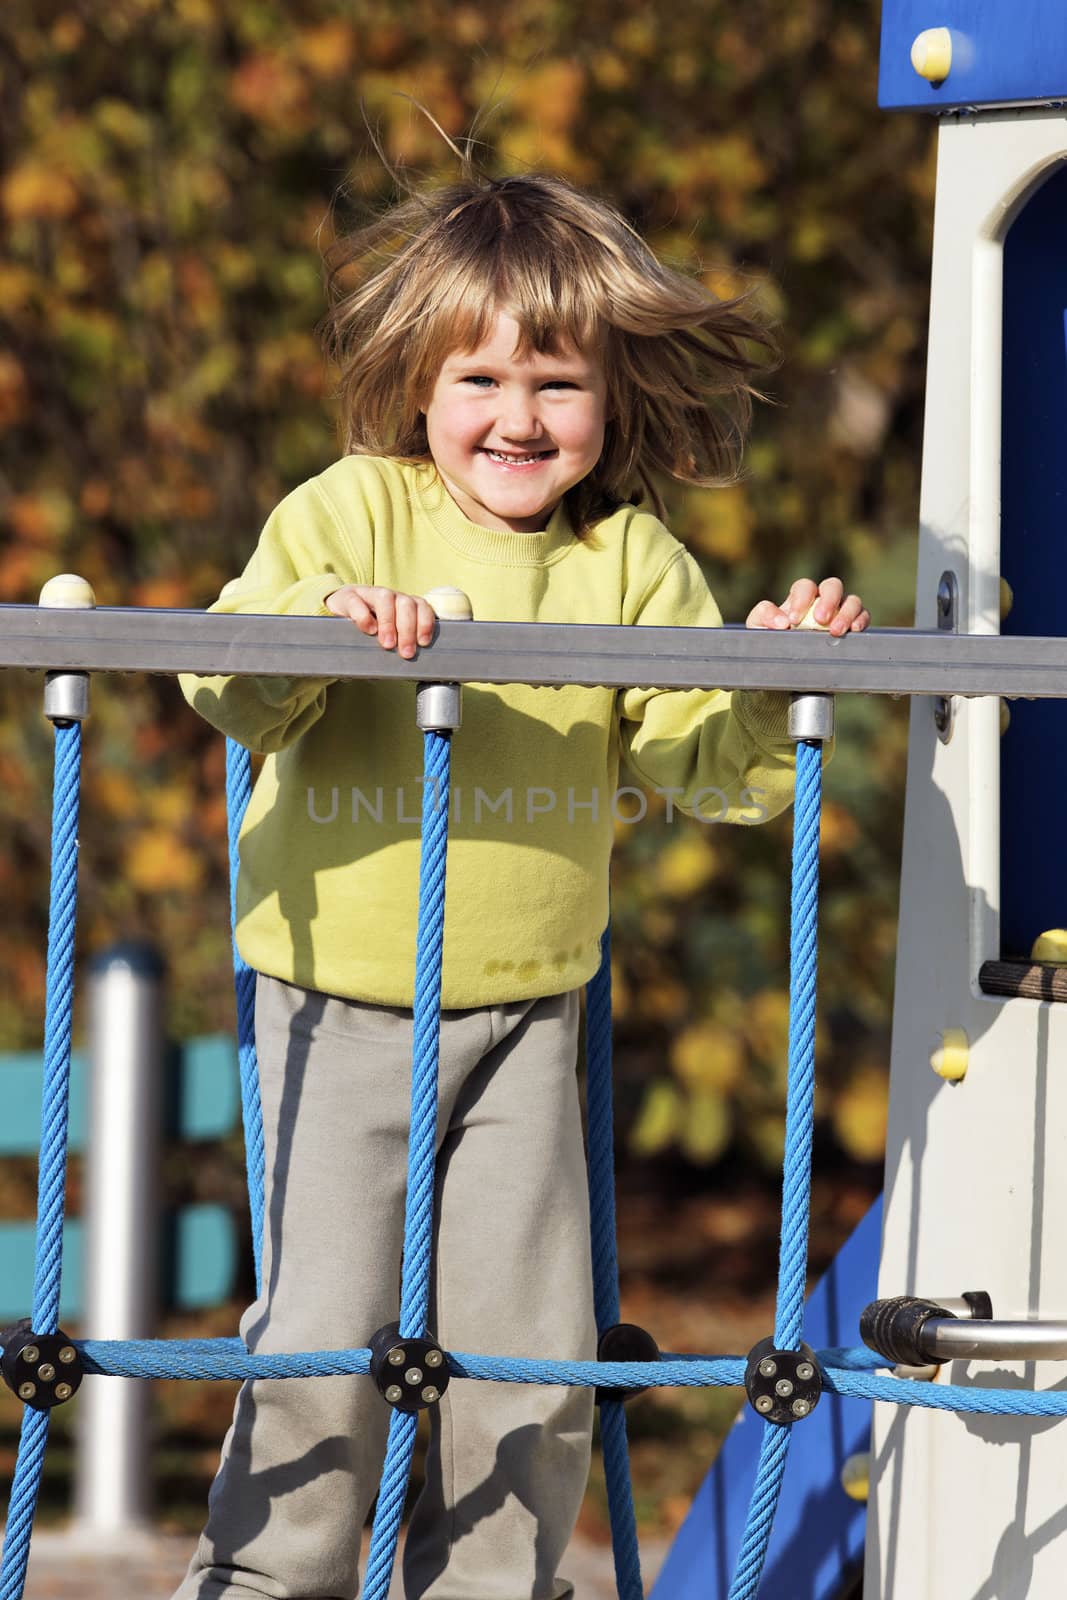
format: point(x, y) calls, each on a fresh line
point(66, 694)
point(439, 706)
point(811, 717)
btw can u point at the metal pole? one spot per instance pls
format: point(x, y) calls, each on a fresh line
point(113, 1496)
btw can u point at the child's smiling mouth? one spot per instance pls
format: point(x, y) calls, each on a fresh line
point(522, 462)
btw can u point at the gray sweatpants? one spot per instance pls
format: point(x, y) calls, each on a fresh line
point(507, 1463)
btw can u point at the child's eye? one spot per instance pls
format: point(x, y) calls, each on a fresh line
point(477, 377)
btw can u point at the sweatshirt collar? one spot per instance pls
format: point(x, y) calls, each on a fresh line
point(499, 546)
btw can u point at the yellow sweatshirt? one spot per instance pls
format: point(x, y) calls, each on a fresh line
point(328, 886)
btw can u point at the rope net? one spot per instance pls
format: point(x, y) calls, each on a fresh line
point(843, 1371)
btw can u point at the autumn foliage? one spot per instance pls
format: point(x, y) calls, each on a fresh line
point(166, 172)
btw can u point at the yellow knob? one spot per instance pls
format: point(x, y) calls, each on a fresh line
point(808, 619)
point(856, 1476)
point(67, 592)
point(1051, 946)
point(1005, 717)
point(931, 54)
point(949, 1060)
point(451, 605)
point(1007, 598)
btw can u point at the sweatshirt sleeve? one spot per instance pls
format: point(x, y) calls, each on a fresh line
point(301, 557)
point(723, 755)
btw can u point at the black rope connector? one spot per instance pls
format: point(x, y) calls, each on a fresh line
point(624, 1341)
point(894, 1329)
point(782, 1385)
point(411, 1374)
point(43, 1369)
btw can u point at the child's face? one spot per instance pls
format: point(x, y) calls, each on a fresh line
point(544, 412)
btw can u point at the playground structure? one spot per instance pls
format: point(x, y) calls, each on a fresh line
point(972, 1168)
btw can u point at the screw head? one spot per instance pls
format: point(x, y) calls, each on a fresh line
point(30, 1354)
point(805, 1371)
point(68, 1354)
point(397, 1357)
point(394, 1393)
point(63, 1391)
point(434, 1358)
point(430, 1394)
point(768, 1368)
point(800, 1408)
point(783, 1387)
point(27, 1391)
point(764, 1403)
point(46, 1371)
point(413, 1376)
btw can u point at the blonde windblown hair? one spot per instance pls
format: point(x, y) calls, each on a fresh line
point(428, 277)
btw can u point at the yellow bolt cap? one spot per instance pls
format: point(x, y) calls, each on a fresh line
point(856, 1476)
point(1007, 598)
point(451, 605)
point(949, 1060)
point(1050, 946)
point(67, 592)
point(1005, 717)
point(931, 54)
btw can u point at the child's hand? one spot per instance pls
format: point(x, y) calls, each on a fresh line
point(833, 610)
point(398, 619)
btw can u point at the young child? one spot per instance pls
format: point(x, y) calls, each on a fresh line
point(515, 365)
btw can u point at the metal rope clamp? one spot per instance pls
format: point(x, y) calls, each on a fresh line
point(43, 1369)
point(66, 694)
point(438, 706)
point(811, 718)
point(783, 1386)
point(411, 1374)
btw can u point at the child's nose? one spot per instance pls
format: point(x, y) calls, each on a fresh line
point(519, 419)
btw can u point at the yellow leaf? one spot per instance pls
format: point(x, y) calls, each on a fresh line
point(708, 1056)
point(686, 864)
point(767, 1024)
point(706, 1128)
point(115, 792)
point(156, 861)
point(329, 48)
point(658, 1120)
point(35, 189)
point(720, 523)
point(860, 1114)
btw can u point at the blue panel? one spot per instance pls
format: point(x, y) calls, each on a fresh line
point(1033, 752)
point(1001, 53)
point(18, 1244)
point(21, 1085)
point(203, 1258)
point(818, 1535)
point(203, 1095)
point(199, 1270)
point(208, 1089)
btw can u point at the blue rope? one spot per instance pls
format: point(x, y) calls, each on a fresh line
point(52, 1167)
point(846, 1372)
point(23, 1503)
point(238, 791)
point(600, 1139)
point(422, 1146)
point(796, 1179)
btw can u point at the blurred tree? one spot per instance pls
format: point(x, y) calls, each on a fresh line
point(165, 177)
